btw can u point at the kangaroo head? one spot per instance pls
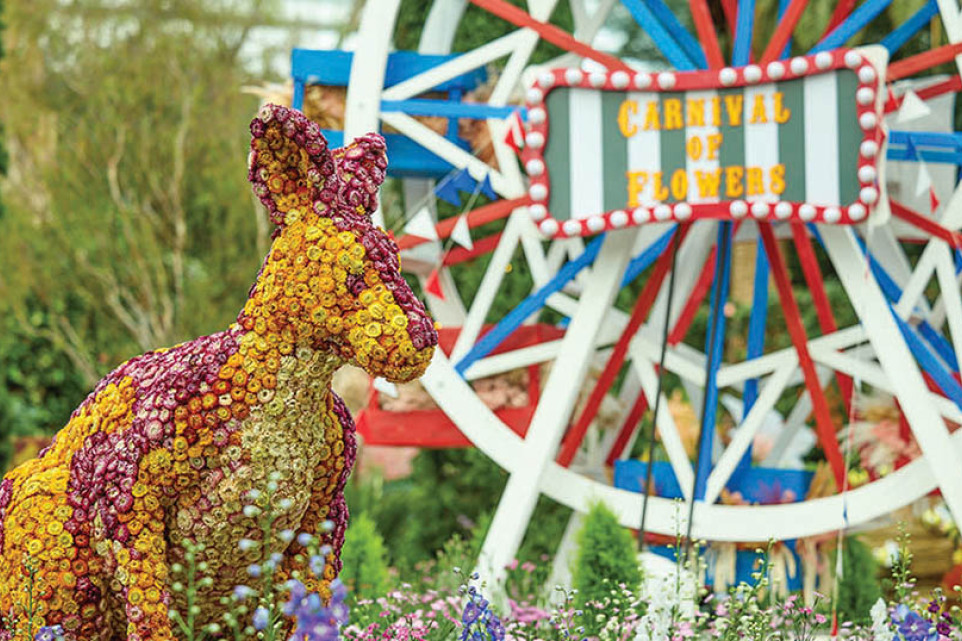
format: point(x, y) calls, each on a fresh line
point(331, 279)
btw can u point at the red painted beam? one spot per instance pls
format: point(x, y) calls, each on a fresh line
point(926, 224)
point(569, 446)
point(823, 308)
point(476, 217)
point(558, 37)
point(705, 28)
point(784, 30)
point(920, 62)
point(952, 85)
point(793, 322)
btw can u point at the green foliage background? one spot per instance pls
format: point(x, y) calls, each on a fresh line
point(606, 559)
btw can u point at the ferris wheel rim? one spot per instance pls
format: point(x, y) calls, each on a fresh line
point(563, 477)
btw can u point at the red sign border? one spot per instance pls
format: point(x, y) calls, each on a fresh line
point(868, 110)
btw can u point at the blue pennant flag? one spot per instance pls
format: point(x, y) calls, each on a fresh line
point(463, 181)
point(448, 192)
point(910, 148)
point(487, 189)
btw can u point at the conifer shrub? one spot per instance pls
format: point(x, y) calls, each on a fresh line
point(364, 558)
point(606, 559)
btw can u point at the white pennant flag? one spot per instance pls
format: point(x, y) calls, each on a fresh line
point(422, 225)
point(925, 180)
point(461, 234)
point(386, 387)
point(912, 107)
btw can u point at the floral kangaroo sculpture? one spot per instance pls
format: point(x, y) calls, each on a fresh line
point(169, 446)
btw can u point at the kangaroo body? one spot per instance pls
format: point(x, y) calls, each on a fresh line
point(169, 446)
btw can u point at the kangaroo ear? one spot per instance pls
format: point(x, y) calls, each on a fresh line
point(290, 164)
point(361, 168)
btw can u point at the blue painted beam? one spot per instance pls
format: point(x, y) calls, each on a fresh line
point(513, 319)
point(682, 36)
point(450, 109)
point(851, 25)
point(663, 39)
point(782, 8)
point(904, 32)
point(928, 155)
point(715, 345)
point(757, 322)
point(642, 261)
point(929, 363)
point(944, 139)
point(744, 29)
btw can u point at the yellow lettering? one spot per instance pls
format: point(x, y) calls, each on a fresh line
point(714, 143)
point(637, 181)
point(695, 111)
point(733, 106)
point(708, 182)
point(628, 108)
point(679, 184)
point(758, 110)
point(716, 111)
point(661, 191)
point(776, 179)
point(733, 181)
point(781, 113)
point(694, 147)
point(673, 119)
point(755, 181)
point(652, 119)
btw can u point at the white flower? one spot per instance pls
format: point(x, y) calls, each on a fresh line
point(881, 624)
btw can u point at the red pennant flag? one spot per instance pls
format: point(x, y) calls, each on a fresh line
point(514, 137)
point(933, 199)
point(433, 285)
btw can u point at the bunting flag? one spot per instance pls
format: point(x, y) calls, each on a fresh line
point(433, 285)
point(461, 233)
point(464, 182)
point(514, 137)
point(924, 182)
point(448, 192)
point(422, 225)
point(933, 200)
point(386, 387)
point(487, 189)
point(912, 107)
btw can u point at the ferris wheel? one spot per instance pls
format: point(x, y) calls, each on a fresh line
point(623, 179)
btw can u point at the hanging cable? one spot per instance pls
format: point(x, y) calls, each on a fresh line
point(658, 390)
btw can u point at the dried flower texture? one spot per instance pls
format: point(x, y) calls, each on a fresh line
point(170, 445)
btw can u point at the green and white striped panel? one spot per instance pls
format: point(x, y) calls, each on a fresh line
point(588, 158)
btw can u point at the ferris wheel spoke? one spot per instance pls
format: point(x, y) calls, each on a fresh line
point(666, 39)
point(665, 423)
point(447, 150)
point(783, 31)
point(823, 420)
point(851, 24)
point(771, 388)
point(427, 80)
point(898, 363)
point(488, 289)
point(950, 298)
point(796, 419)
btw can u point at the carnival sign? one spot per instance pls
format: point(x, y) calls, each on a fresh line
point(798, 140)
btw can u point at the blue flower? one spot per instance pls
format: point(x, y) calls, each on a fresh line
point(912, 627)
point(49, 633)
point(260, 618)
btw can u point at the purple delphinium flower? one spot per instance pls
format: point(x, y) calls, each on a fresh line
point(316, 621)
point(49, 633)
point(912, 627)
